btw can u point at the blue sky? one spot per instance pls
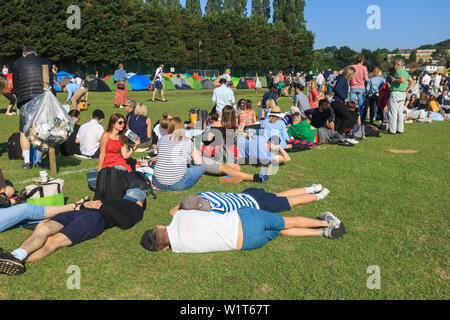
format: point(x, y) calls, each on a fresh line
point(404, 23)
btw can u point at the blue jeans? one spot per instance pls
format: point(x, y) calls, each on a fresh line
point(188, 181)
point(360, 93)
point(329, 88)
point(21, 213)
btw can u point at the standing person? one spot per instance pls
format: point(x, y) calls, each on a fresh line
point(373, 87)
point(401, 83)
point(28, 83)
point(437, 84)
point(5, 70)
point(258, 84)
point(222, 96)
point(357, 86)
point(280, 84)
point(426, 81)
point(326, 75)
point(313, 95)
point(114, 145)
point(159, 83)
point(175, 152)
point(227, 76)
point(269, 78)
point(121, 87)
point(320, 79)
point(7, 90)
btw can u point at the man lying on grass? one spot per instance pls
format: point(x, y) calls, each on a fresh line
point(246, 228)
point(252, 197)
point(73, 227)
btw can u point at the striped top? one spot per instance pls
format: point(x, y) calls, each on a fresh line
point(173, 157)
point(227, 202)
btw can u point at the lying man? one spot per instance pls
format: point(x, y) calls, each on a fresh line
point(253, 198)
point(73, 227)
point(244, 229)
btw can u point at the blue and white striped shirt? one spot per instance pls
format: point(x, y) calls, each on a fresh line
point(227, 202)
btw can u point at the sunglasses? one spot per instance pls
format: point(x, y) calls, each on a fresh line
point(120, 122)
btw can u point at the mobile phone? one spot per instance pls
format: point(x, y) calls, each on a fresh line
point(131, 135)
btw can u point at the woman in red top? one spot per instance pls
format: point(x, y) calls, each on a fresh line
point(113, 144)
point(313, 95)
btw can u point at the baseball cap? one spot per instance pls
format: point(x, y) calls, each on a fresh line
point(195, 202)
point(135, 195)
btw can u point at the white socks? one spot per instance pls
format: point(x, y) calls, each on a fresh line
point(20, 254)
point(322, 194)
point(313, 189)
point(26, 156)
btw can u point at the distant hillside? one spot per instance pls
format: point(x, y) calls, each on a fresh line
point(443, 44)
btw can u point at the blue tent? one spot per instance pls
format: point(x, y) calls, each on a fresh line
point(187, 75)
point(63, 74)
point(57, 87)
point(139, 82)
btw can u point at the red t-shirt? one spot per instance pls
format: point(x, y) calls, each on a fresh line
point(313, 97)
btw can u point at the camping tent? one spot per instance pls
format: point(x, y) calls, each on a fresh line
point(235, 81)
point(251, 83)
point(98, 85)
point(60, 75)
point(242, 84)
point(208, 84)
point(263, 82)
point(196, 76)
point(194, 83)
point(168, 84)
point(139, 82)
point(181, 84)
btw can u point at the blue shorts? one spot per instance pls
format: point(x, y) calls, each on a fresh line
point(259, 227)
point(268, 201)
point(80, 225)
point(158, 85)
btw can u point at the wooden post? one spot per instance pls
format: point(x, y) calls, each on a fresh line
point(51, 150)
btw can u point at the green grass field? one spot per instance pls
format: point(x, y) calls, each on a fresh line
point(395, 207)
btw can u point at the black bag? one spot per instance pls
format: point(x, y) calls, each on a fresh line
point(14, 148)
point(121, 86)
point(371, 131)
point(113, 183)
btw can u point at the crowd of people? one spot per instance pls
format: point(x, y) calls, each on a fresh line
point(330, 109)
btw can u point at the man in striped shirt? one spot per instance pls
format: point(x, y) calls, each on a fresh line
point(253, 197)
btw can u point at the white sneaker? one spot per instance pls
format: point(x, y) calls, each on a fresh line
point(317, 187)
point(352, 141)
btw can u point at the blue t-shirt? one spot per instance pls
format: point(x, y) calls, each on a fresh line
point(254, 148)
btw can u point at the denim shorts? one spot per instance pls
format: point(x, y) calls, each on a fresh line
point(158, 85)
point(268, 201)
point(80, 225)
point(259, 227)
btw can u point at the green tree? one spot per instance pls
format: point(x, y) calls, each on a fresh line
point(290, 13)
point(214, 6)
point(412, 57)
point(261, 8)
point(194, 7)
point(237, 6)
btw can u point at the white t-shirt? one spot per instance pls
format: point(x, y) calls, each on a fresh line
point(159, 74)
point(198, 231)
point(320, 79)
point(426, 80)
point(89, 136)
point(5, 71)
point(437, 81)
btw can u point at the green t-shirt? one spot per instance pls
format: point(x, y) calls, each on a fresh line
point(400, 86)
point(302, 131)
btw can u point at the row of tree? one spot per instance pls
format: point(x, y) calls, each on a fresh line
point(159, 31)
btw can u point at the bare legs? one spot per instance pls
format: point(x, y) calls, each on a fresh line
point(298, 196)
point(234, 170)
point(303, 227)
point(25, 145)
point(161, 92)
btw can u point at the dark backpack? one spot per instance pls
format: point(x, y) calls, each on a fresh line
point(14, 148)
point(371, 131)
point(113, 183)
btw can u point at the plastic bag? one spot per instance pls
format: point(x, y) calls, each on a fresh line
point(46, 121)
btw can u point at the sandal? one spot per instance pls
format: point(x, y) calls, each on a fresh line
point(81, 202)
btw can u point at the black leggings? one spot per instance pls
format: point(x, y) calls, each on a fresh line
point(11, 98)
point(343, 116)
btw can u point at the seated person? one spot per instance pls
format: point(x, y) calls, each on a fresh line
point(73, 227)
point(256, 149)
point(301, 100)
point(274, 126)
point(302, 130)
point(89, 135)
point(70, 146)
point(433, 105)
point(219, 151)
point(129, 107)
point(23, 212)
point(141, 125)
point(114, 145)
point(246, 116)
point(5, 191)
point(272, 94)
point(444, 98)
point(255, 198)
point(160, 129)
point(322, 116)
point(175, 152)
point(346, 115)
point(243, 229)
